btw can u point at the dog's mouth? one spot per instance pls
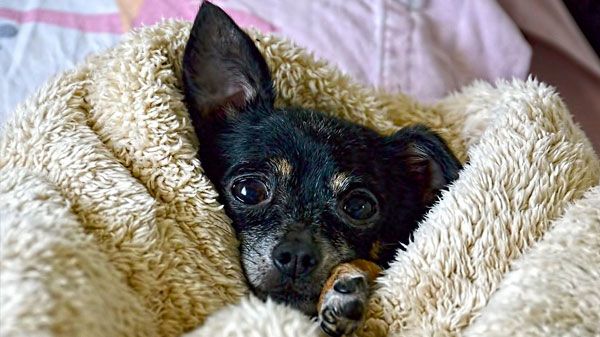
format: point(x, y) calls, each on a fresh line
point(295, 290)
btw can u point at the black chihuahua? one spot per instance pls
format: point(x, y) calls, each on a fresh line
point(306, 191)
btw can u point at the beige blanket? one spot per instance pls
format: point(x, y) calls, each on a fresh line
point(109, 227)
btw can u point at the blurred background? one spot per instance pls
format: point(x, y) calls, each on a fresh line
point(424, 48)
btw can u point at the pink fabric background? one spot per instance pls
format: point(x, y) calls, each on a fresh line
point(423, 48)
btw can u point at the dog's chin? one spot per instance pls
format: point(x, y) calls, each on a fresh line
point(303, 297)
point(301, 294)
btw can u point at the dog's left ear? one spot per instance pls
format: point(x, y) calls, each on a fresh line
point(222, 68)
point(428, 161)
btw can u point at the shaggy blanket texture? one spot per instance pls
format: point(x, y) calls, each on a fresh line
point(109, 227)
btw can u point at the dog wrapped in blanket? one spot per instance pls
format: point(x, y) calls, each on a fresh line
point(319, 204)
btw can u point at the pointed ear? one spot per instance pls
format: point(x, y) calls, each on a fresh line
point(428, 161)
point(222, 68)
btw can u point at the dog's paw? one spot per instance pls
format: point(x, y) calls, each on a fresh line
point(344, 304)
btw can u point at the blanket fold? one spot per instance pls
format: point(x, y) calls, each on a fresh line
point(110, 228)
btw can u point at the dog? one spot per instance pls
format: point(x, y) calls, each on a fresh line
point(318, 204)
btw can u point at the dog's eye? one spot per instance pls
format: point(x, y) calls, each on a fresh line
point(250, 191)
point(360, 205)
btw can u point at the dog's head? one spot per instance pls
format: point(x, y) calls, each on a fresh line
point(305, 191)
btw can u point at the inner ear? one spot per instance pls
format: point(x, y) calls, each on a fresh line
point(424, 170)
point(222, 68)
point(428, 161)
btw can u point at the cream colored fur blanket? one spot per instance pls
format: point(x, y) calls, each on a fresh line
point(109, 227)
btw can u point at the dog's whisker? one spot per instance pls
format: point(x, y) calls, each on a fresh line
point(254, 249)
point(250, 261)
point(389, 244)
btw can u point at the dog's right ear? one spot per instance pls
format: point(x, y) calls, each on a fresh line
point(223, 71)
point(428, 161)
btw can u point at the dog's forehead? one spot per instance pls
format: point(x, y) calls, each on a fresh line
point(314, 135)
point(309, 146)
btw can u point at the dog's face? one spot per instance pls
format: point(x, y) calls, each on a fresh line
point(305, 191)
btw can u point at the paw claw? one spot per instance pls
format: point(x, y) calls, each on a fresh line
point(329, 331)
point(328, 315)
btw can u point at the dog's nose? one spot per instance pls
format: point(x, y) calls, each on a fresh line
point(295, 258)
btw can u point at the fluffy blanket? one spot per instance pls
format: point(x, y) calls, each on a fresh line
point(109, 227)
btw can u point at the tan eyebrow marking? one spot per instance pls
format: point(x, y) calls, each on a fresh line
point(282, 166)
point(339, 182)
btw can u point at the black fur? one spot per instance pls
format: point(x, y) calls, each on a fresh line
point(297, 153)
